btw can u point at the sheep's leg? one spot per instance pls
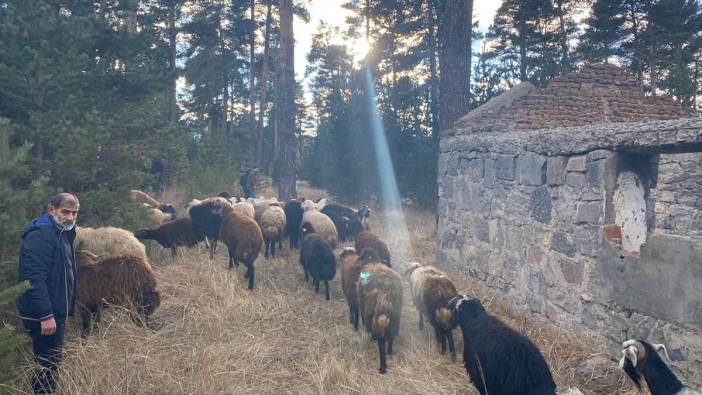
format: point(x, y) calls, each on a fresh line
point(273, 248)
point(306, 276)
point(355, 318)
point(316, 285)
point(213, 249)
point(452, 347)
point(207, 243)
point(381, 350)
point(250, 273)
point(231, 260)
point(421, 321)
point(174, 252)
point(280, 243)
point(291, 241)
point(85, 317)
point(441, 336)
point(390, 341)
point(268, 243)
point(326, 283)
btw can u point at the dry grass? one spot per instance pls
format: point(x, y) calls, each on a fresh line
point(212, 335)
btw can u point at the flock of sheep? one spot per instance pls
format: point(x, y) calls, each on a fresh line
point(498, 359)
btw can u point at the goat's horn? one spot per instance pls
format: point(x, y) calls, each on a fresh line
point(90, 254)
point(659, 347)
point(631, 353)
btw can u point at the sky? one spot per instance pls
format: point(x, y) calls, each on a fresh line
point(331, 12)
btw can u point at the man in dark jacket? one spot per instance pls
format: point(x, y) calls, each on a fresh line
point(47, 260)
point(248, 182)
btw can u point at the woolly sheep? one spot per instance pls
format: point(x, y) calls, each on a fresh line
point(141, 197)
point(172, 234)
point(293, 215)
point(317, 260)
point(243, 239)
point(206, 223)
point(351, 266)
point(380, 301)
point(260, 205)
point(272, 227)
point(314, 221)
point(122, 280)
point(367, 239)
point(431, 292)
point(109, 241)
point(498, 359)
point(245, 208)
point(346, 219)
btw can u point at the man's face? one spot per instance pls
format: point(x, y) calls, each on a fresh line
point(66, 215)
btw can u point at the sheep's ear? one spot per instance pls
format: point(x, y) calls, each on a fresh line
point(659, 347)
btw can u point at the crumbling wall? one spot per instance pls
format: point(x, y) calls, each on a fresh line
point(533, 214)
point(679, 196)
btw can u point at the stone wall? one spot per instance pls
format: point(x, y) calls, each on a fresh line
point(533, 214)
point(679, 196)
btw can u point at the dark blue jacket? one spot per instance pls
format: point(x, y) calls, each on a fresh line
point(48, 261)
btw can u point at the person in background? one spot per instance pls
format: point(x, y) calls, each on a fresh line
point(47, 260)
point(248, 182)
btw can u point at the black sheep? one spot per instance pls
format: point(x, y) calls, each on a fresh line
point(206, 223)
point(172, 234)
point(498, 359)
point(640, 358)
point(346, 220)
point(293, 215)
point(317, 260)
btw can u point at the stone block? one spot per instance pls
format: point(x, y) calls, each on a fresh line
point(575, 180)
point(587, 240)
point(666, 196)
point(541, 205)
point(577, 163)
point(599, 154)
point(562, 244)
point(505, 167)
point(482, 231)
point(595, 173)
point(472, 168)
point(556, 170)
point(489, 172)
point(452, 165)
point(495, 231)
point(590, 196)
point(588, 212)
point(532, 169)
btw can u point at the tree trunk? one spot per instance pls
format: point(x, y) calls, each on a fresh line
point(258, 157)
point(454, 61)
point(132, 6)
point(224, 121)
point(522, 45)
point(563, 34)
point(286, 159)
point(172, 36)
point(434, 80)
point(252, 60)
point(368, 12)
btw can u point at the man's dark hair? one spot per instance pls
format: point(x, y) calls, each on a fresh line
point(62, 198)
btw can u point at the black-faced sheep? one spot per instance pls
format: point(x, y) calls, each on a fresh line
point(272, 227)
point(108, 241)
point(367, 239)
point(641, 359)
point(172, 234)
point(243, 239)
point(124, 280)
point(498, 359)
point(205, 222)
point(351, 266)
point(141, 197)
point(346, 220)
point(431, 292)
point(317, 260)
point(380, 301)
point(293, 215)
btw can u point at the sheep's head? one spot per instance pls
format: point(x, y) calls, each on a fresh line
point(167, 209)
point(144, 234)
point(635, 355)
point(225, 195)
point(470, 313)
point(346, 252)
point(309, 205)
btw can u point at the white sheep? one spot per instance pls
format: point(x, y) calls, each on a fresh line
point(109, 241)
point(272, 226)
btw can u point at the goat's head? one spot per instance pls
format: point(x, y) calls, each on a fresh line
point(470, 313)
point(635, 355)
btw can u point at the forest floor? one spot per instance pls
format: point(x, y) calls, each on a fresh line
point(211, 335)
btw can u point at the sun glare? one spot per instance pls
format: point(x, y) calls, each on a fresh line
point(360, 48)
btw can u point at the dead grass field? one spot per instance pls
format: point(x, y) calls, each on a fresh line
point(211, 335)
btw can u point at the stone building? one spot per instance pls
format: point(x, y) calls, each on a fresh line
point(582, 204)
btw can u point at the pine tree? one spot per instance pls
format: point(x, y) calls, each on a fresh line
point(604, 31)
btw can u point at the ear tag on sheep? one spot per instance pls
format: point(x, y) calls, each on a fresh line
point(364, 277)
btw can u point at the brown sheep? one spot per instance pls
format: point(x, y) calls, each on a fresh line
point(243, 239)
point(432, 289)
point(272, 227)
point(124, 280)
point(367, 239)
point(351, 265)
point(380, 301)
point(141, 197)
